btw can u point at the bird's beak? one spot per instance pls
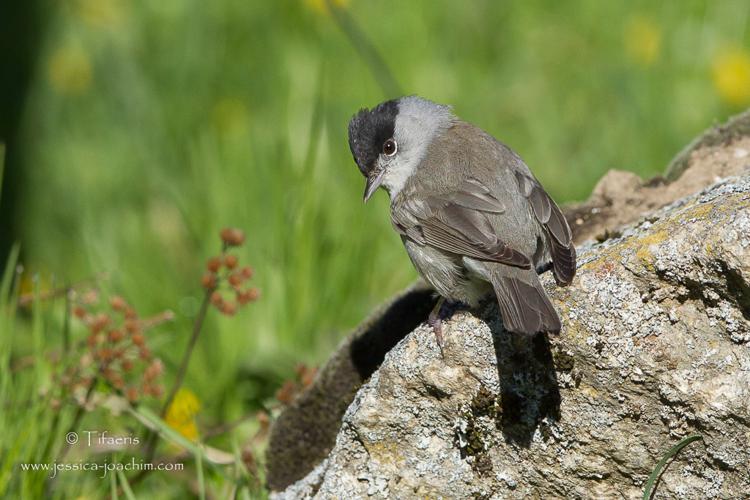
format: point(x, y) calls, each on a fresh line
point(373, 183)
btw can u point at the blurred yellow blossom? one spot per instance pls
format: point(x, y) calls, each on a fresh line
point(230, 116)
point(731, 75)
point(181, 413)
point(642, 37)
point(321, 6)
point(69, 70)
point(33, 283)
point(101, 13)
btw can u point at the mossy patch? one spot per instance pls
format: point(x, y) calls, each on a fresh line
point(643, 253)
point(699, 211)
point(384, 451)
point(484, 405)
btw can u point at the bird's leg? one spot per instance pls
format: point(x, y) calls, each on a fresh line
point(436, 322)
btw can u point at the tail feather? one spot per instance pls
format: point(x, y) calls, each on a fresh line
point(524, 305)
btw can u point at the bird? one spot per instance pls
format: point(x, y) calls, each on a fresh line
point(471, 215)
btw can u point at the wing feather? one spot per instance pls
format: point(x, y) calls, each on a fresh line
point(548, 214)
point(457, 222)
point(470, 194)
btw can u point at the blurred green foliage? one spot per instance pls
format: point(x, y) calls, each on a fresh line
point(151, 125)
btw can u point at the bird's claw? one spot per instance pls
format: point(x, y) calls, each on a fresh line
point(436, 323)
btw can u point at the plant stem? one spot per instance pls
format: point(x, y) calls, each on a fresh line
point(78, 416)
point(66, 322)
point(181, 372)
point(197, 327)
point(73, 426)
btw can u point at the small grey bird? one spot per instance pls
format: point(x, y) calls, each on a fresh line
point(470, 213)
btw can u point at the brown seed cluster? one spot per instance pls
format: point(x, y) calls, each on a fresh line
point(292, 388)
point(226, 279)
point(232, 237)
point(115, 348)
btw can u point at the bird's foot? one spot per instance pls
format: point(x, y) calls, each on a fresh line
point(436, 322)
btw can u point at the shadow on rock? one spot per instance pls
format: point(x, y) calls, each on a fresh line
point(401, 317)
point(529, 392)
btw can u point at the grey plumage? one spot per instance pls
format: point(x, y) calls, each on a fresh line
point(469, 211)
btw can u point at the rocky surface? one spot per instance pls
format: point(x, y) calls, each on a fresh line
point(622, 197)
point(655, 346)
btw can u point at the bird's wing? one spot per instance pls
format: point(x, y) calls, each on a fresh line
point(555, 225)
point(456, 222)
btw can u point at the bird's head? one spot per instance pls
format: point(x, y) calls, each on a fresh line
point(389, 141)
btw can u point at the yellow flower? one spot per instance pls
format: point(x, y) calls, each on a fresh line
point(33, 285)
point(69, 70)
point(321, 6)
point(642, 37)
point(230, 117)
point(181, 413)
point(731, 75)
point(101, 13)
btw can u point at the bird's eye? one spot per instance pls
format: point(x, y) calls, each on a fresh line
point(390, 147)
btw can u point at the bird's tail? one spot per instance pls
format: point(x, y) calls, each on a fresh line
point(523, 303)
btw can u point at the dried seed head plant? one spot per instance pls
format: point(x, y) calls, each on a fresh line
point(225, 285)
point(115, 350)
point(226, 289)
point(115, 354)
point(224, 270)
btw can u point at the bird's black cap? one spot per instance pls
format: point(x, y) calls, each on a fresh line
point(368, 130)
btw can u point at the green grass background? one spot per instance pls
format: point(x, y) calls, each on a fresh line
point(151, 125)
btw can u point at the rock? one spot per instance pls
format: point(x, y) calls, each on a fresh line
point(655, 346)
point(622, 197)
point(716, 139)
point(304, 434)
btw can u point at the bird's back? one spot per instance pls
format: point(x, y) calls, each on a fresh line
point(463, 152)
